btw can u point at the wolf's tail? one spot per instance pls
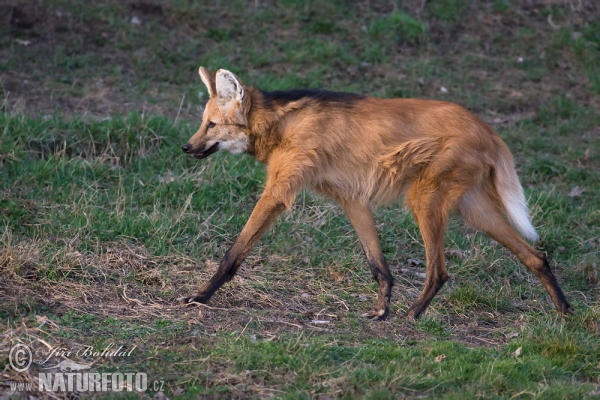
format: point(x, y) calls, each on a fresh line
point(511, 194)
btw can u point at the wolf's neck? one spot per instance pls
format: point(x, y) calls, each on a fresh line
point(267, 120)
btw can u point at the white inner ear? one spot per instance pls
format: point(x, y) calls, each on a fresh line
point(229, 89)
point(206, 82)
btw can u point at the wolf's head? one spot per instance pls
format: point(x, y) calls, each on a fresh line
point(224, 123)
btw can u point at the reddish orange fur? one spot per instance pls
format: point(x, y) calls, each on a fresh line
point(368, 151)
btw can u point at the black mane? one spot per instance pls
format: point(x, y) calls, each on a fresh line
point(281, 97)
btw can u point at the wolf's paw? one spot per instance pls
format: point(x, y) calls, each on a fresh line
point(565, 310)
point(377, 314)
point(413, 314)
point(199, 298)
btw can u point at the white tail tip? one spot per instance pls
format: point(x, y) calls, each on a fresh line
point(519, 217)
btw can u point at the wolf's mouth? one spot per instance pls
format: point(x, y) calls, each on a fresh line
point(206, 152)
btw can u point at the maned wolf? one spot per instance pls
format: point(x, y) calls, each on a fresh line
point(363, 151)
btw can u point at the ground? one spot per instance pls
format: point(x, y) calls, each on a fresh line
point(105, 222)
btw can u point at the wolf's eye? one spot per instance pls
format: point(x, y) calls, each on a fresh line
point(210, 125)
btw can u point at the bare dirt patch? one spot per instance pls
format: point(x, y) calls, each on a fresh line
point(111, 58)
point(129, 283)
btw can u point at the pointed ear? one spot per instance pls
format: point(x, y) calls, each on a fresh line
point(230, 90)
point(208, 77)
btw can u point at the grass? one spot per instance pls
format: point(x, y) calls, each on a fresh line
point(105, 222)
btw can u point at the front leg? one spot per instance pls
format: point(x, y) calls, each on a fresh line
point(361, 218)
point(266, 211)
point(284, 178)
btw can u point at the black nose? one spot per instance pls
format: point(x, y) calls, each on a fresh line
point(186, 147)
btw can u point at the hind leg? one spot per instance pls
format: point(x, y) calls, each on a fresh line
point(481, 213)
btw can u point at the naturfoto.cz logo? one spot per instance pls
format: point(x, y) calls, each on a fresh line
point(74, 377)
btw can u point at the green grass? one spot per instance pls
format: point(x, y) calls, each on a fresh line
point(86, 185)
point(104, 222)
